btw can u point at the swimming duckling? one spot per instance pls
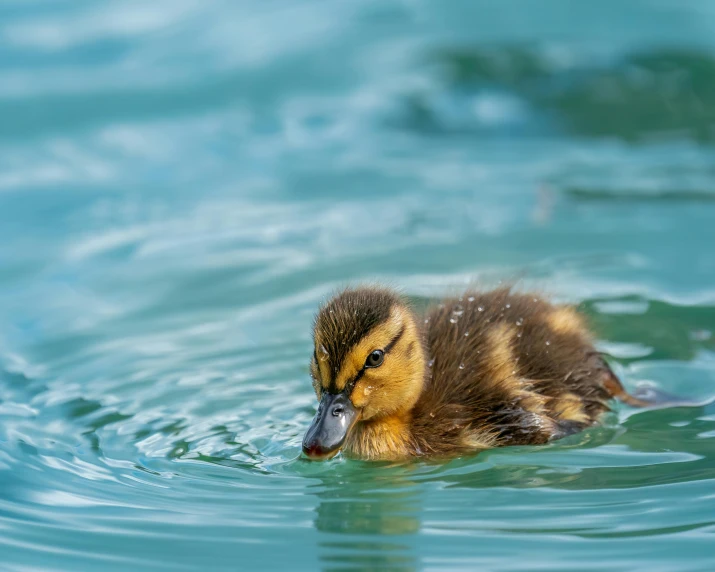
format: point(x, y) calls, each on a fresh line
point(485, 370)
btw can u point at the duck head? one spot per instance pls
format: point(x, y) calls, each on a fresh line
point(368, 364)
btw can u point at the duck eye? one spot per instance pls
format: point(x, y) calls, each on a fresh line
point(375, 359)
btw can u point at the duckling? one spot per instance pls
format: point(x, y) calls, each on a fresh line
point(484, 370)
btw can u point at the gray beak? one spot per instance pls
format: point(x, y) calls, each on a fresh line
point(330, 427)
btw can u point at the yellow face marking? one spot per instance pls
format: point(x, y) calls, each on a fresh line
point(395, 386)
point(391, 388)
point(377, 339)
point(361, 393)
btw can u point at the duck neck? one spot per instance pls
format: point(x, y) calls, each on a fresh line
point(385, 438)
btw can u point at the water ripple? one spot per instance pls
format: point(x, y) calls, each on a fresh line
point(182, 184)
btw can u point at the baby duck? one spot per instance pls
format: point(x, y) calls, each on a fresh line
point(484, 370)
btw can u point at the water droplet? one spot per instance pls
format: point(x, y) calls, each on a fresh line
point(466, 334)
point(548, 343)
point(508, 306)
point(518, 335)
point(536, 299)
point(480, 308)
point(430, 363)
point(457, 312)
point(322, 353)
point(471, 298)
point(513, 372)
point(520, 322)
point(426, 320)
point(461, 298)
point(461, 366)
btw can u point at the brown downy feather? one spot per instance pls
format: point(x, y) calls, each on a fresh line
point(507, 369)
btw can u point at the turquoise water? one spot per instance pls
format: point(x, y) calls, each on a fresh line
point(182, 183)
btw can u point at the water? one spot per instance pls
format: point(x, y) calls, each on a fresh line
point(181, 184)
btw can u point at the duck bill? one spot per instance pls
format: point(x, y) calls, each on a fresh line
point(331, 425)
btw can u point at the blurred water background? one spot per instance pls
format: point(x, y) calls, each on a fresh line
point(182, 182)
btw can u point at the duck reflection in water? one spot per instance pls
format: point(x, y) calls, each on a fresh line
point(376, 516)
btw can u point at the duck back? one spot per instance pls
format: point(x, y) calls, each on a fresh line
point(507, 369)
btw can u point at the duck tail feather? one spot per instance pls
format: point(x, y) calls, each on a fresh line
point(644, 396)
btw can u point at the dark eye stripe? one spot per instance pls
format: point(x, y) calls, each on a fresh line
point(351, 384)
point(394, 340)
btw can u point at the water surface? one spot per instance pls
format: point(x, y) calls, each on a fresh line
point(181, 185)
